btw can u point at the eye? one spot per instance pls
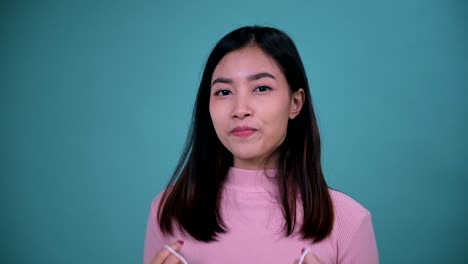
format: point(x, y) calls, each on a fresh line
point(223, 92)
point(262, 89)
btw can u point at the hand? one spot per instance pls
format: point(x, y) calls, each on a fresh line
point(164, 256)
point(308, 259)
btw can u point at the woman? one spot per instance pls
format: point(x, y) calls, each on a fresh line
point(249, 186)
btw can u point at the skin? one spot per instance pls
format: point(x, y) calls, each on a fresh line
point(166, 257)
point(309, 259)
point(249, 89)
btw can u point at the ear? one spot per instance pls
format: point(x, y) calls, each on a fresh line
point(297, 100)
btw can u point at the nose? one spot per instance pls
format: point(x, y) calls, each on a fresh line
point(241, 107)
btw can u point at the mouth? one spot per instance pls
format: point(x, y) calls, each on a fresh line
point(243, 132)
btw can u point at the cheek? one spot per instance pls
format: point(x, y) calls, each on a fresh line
point(216, 117)
point(277, 114)
point(212, 110)
point(277, 121)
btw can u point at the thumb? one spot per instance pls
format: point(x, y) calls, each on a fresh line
point(177, 245)
point(309, 258)
point(164, 253)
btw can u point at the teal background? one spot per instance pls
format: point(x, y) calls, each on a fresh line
point(96, 98)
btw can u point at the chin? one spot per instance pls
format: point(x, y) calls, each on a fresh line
point(244, 152)
point(248, 157)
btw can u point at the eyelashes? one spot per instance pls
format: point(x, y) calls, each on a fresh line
point(223, 92)
point(258, 89)
point(262, 88)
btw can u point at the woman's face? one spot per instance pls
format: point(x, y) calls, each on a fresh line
point(250, 105)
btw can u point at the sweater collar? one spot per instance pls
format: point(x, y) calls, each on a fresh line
point(251, 180)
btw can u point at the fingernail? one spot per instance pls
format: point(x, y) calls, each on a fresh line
point(181, 242)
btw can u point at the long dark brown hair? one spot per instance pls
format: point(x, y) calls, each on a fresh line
point(191, 201)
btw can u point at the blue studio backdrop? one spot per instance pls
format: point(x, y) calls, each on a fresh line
point(96, 100)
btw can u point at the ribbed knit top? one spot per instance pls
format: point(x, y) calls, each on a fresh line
point(255, 228)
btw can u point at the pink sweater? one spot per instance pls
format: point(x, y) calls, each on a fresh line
point(254, 220)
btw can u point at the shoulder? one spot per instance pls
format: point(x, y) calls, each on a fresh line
point(353, 230)
point(155, 239)
point(157, 200)
point(344, 204)
point(349, 214)
point(153, 221)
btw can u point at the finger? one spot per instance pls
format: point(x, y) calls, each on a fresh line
point(311, 259)
point(307, 257)
point(175, 254)
point(163, 254)
point(172, 260)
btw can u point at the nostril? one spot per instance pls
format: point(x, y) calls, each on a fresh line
point(242, 115)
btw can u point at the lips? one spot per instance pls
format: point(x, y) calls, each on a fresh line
point(243, 131)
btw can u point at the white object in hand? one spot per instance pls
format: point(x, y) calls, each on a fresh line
point(303, 255)
point(173, 252)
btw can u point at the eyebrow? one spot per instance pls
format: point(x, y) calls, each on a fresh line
point(253, 77)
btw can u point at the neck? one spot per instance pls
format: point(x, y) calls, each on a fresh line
point(251, 180)
point(256, 164)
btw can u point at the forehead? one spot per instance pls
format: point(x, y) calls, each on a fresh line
point(245, 62)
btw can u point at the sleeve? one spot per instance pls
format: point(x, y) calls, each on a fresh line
point(362, 247)
point(154, 239)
